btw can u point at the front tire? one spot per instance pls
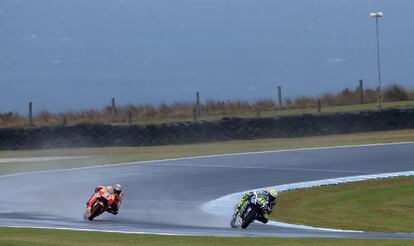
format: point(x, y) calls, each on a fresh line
point(95, 211)
point(249, 217)
point(233, 223)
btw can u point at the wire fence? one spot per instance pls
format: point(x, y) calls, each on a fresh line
point(349, 100)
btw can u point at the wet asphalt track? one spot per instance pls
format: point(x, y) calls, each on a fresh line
point(166, 196)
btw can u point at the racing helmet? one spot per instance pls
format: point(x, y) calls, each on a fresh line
point(117, 188)
point(272, 193)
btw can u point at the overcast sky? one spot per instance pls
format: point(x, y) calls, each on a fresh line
point(77, 54)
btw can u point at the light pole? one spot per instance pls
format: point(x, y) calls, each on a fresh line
point(377, 15)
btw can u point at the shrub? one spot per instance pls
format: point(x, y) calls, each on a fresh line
point(370, 96)
point(329, 99)
point(410, 95)
point(395, 93)
point(11, 119)
point(303, 102)
point(266, 104)
point(348, 96)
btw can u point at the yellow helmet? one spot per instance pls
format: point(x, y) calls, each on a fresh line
point(273, 192)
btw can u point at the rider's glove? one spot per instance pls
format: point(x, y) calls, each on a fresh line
point(269, 210)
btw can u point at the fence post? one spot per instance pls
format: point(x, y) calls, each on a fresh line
point(198, 103)
point(319, 105)
point(129, 118)
point(379, 91)
point(113, 110)
point(195, 113)
point(257, 110)
point(279, 95)
point(361, 90)
point(30, 114)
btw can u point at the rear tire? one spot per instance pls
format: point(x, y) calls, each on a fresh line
point(249, 218)
point(95, 211)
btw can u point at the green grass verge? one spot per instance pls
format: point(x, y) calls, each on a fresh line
point(384, 205)
point(10, 236)
point(129, 154)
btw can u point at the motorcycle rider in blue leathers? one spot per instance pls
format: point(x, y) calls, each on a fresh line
point(265, 197)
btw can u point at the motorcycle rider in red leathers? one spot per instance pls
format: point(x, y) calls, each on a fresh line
point(115, 190)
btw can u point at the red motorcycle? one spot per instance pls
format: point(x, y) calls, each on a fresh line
point(103, 201)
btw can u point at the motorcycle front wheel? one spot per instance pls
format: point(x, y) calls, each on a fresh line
point(233, 223)
point(95, 211)
point(249, 217)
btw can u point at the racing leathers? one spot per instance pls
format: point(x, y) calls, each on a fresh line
point(264, 197)
point(114, 207)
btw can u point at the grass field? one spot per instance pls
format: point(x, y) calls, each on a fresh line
point(128, 154)
point(9, 236)
point(384, 205)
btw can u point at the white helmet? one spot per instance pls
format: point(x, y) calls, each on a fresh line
point(272, 192)
point(117, 188)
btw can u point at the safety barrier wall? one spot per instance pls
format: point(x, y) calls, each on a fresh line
point(88, 135)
